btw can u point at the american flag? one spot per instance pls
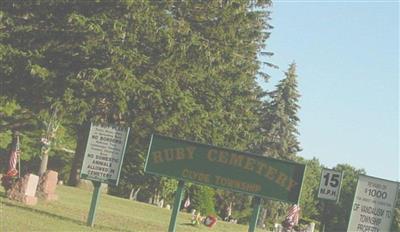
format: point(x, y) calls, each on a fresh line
point(15, 153)
point(293, 215)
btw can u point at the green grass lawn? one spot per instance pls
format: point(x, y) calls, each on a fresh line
point(70, 212)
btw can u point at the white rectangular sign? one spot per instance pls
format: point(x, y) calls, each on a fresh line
point(373, 205)
point(104, 153)
point(329, 186)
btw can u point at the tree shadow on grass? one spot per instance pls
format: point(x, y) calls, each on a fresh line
point(60, 217)
point(190, 225)
point(187, 224)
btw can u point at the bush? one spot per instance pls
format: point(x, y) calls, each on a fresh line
point(202, 199)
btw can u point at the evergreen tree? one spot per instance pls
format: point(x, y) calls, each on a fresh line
point(186, 69)
point(279, 133)
point(197, 90)
point(280, 119)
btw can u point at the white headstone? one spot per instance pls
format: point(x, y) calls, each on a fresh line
point(32, 184)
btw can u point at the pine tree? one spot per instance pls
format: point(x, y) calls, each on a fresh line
point(186, 69)
point(280, 118)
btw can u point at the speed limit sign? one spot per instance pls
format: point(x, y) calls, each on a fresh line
point(329, 186)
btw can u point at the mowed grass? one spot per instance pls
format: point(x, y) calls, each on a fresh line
point(70, 213)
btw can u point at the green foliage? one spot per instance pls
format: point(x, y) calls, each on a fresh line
point(396, 216)
point(15, 117)
point(309, 194)
point(202, 199)
point(168, 188)
point(278, 130)
point(280, 118)
point(178, 68)
point(337, 216)
point(186, 69)
point(396, 220)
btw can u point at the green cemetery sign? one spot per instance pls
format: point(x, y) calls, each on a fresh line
point(225, 168)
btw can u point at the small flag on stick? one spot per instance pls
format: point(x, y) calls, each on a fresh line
point(292, 217)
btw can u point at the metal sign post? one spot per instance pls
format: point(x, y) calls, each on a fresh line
point(254, 216)
point(93, 204)
point(177, 205)
point(329, 190)
point(103, 158)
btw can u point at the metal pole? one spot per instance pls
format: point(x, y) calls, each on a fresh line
point(177, 205)
point(254, 216)
point(322, 225)
point(93, 205)
point(19, 157)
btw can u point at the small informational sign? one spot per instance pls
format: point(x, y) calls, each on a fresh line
point(373, 205)
point(329, 186)
point(224, 168)
point(104, 153)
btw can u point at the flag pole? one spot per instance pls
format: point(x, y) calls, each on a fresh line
point(19, 157)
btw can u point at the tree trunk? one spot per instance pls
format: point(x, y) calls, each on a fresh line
point(43, 164)
point(131, 194)
point(81, 137)
point(262, 217)
point(156, 198)
point(134, 193)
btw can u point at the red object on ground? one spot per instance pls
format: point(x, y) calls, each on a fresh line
point(210, 221)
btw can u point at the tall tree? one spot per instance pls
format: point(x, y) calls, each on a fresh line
point(181, 68)
point(203, 86)
point(280, 118)
point(278, 130)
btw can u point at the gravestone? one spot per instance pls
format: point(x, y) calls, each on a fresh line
point(24, 190)
point(47, 186)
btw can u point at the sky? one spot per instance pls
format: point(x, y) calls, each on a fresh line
point(347, 56)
